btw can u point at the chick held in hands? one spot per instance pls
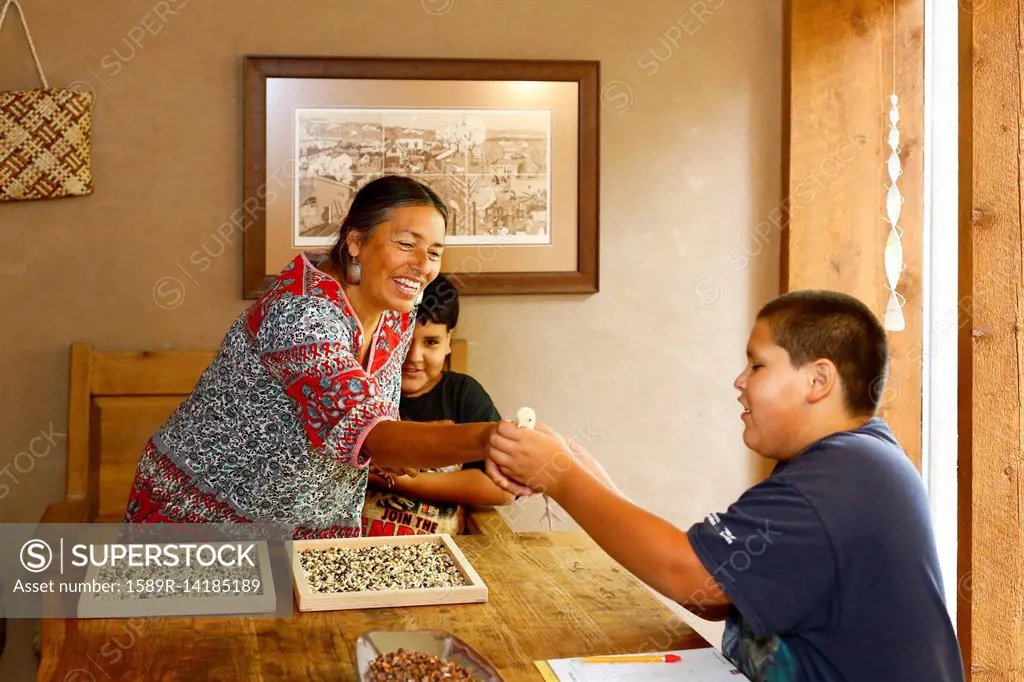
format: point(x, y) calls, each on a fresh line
point(536, 457)
point(526, 417)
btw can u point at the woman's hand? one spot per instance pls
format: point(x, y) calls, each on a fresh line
point(384, 477)
point(538, 458)
point(378, 482)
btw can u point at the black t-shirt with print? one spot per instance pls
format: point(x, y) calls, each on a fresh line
point(456, 397)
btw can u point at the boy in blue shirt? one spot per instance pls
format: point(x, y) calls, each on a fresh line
point(826, 571)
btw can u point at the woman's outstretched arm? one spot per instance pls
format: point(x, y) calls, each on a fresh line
point(423, 445)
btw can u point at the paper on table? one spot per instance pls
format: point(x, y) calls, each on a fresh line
point(698, 665)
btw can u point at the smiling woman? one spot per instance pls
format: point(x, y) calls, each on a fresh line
point(304, 391)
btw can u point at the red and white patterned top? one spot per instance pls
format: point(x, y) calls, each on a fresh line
point(273, 431)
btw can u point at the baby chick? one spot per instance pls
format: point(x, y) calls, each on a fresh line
point(526, 417)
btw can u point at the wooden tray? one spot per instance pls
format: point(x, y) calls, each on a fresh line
point(204, 602)
point(308, 600)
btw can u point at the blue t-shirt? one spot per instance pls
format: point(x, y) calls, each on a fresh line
point(831, 569)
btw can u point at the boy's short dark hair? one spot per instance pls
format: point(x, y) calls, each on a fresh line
point(440, 303)
point(813, 324)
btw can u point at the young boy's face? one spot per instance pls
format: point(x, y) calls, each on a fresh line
point(772, 392)
point(431, 342)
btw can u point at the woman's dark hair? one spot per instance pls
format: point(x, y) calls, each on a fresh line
point(372, 206)
point(440, 303)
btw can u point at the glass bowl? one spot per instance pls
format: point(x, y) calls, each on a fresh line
point(439, 643)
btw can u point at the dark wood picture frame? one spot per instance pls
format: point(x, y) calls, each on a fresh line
point(257, 69)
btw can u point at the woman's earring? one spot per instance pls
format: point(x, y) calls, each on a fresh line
point(353, 272)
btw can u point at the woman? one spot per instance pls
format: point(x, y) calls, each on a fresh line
point(304, 391)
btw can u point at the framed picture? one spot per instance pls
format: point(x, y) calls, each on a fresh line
point(510, 146)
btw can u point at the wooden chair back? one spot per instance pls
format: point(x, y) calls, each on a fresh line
point(116, 401)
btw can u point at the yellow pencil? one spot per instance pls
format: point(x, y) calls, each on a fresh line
point(667, 658)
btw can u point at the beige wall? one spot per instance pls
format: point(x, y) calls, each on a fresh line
point(690, 159)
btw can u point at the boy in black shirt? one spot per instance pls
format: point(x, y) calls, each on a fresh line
point(433, 500)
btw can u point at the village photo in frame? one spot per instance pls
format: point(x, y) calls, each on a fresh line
point(511, 146)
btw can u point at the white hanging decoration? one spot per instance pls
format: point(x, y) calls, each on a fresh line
point(894, 265)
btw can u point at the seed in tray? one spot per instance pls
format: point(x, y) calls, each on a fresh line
point(381, 567)
point(405, 665)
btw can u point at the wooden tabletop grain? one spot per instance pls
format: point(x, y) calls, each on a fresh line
point(551, 595)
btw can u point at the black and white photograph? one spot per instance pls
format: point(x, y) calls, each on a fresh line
point(491, 167)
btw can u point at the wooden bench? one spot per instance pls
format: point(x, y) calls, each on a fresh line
point(117, 400)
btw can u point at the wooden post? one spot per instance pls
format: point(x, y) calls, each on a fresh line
point(840, 76)
point(991, 439)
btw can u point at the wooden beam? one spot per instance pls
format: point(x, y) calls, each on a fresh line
point(78, 420)
point(841, 74)
point(965, 374)
point(992, 265)
point(148, 372)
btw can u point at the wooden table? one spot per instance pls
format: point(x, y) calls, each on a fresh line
point(551, 595)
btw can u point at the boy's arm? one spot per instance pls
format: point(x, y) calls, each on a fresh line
point(649, 547)
point(770, 550)
point(467, 487)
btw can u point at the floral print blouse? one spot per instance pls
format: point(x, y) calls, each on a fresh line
point(273, 431)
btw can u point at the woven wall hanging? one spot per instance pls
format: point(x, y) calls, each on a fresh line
point(44, 137)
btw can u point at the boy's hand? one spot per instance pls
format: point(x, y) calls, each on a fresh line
point(538, 458)
point(501, 480)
